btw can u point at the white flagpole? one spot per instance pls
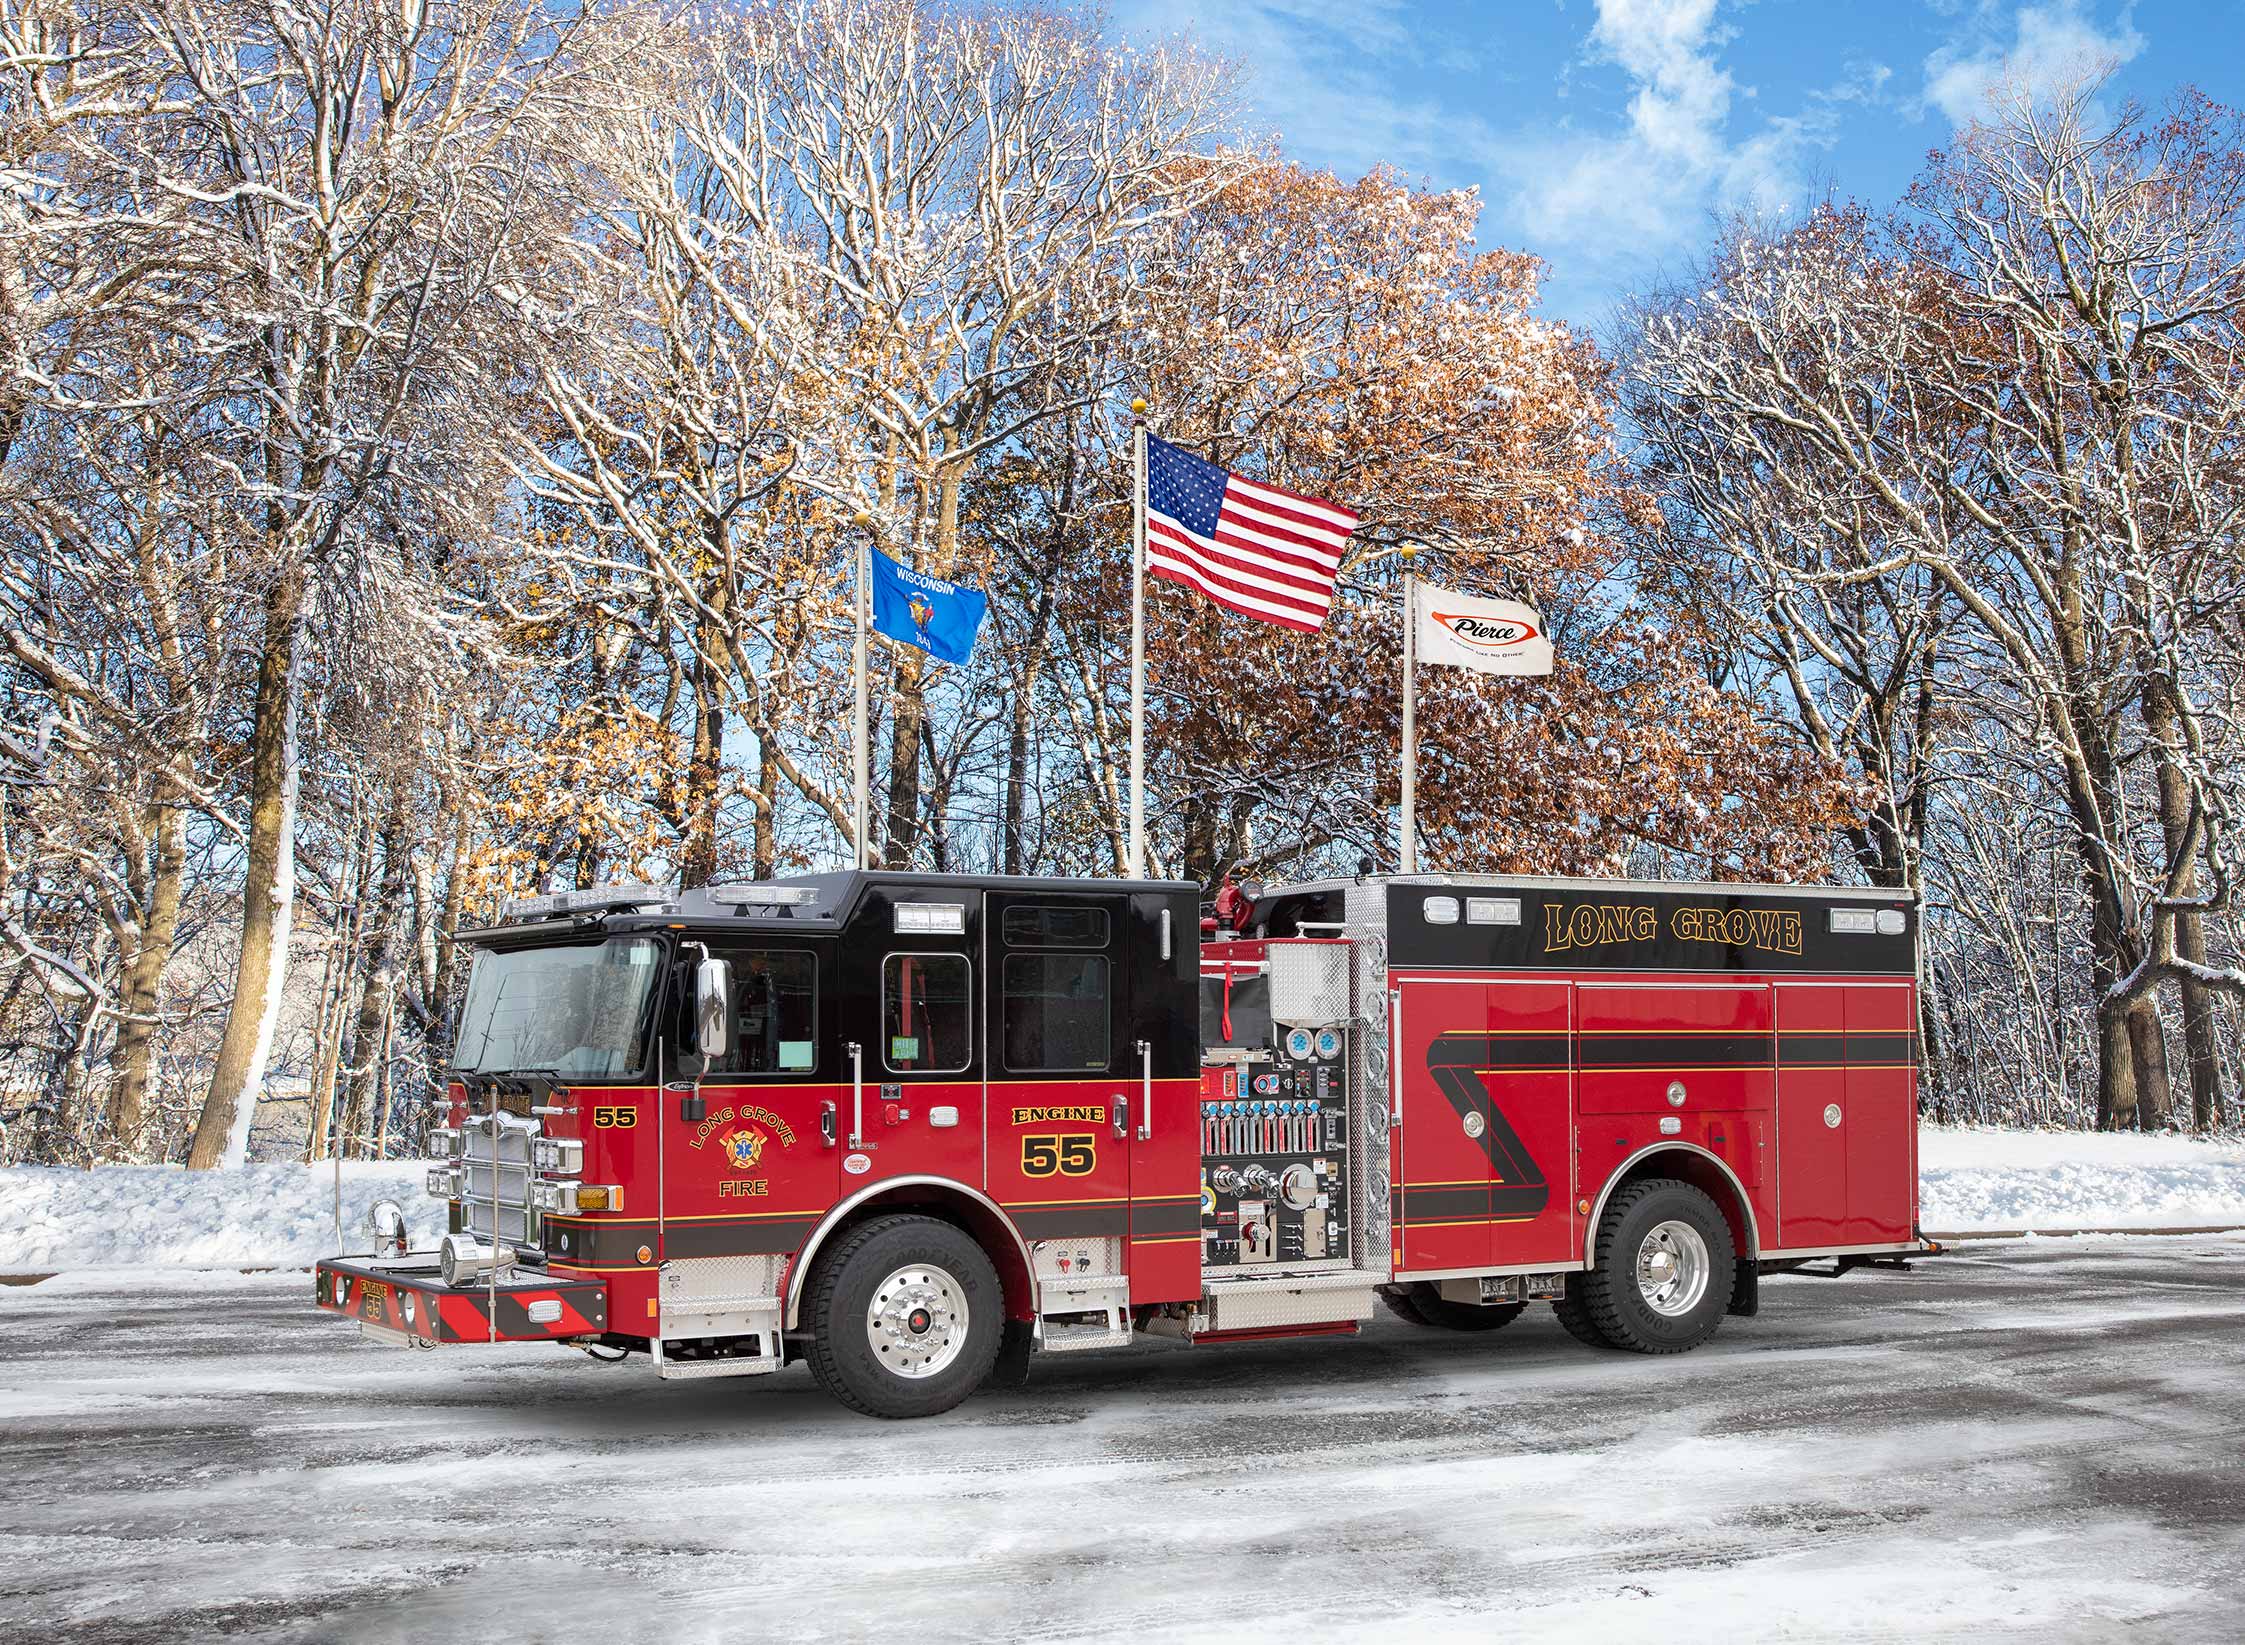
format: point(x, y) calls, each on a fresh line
point(1410, 852)
point(859, 763)
point(1135, 865)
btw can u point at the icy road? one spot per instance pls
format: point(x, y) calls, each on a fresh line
point(2038, 1441)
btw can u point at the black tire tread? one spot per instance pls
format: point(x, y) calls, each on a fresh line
point(1403, 1304)
point(1574, 1314)
point(833, 1265)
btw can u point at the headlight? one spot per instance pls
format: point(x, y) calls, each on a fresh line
point(553, 1196)
point(558, 1156)
point(568, 1198)
point(463, 1261)
point(444, 1143)
point(443, 1182)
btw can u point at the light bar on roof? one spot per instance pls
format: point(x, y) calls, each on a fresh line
point(756, 894)
point(551, 903)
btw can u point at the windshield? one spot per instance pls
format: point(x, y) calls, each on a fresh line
point(579, 1011)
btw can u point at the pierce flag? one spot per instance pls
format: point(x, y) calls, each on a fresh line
point(939, 617)
point(1493, 636)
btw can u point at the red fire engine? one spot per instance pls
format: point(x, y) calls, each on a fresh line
point(915, 1128)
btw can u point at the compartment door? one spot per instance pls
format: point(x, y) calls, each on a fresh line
point(1812, 1140)
point(1881, 1112)
point(1482, 1170)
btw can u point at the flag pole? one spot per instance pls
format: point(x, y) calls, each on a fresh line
point(860, 778)
point(1410, 852)
point(1135, 864)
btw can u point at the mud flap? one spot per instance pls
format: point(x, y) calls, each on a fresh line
point(1746, 1289)
point(1012, 1367)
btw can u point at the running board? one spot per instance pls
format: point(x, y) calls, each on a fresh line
point(1083, 1314)
point(1273, 1333)
point(731, 1365)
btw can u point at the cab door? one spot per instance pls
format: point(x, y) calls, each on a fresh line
point(1064, 1077)
point(747, 1168)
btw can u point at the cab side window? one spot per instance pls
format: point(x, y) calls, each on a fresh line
point(927, 1024)
point(1057, 1014)
point(775, 1012)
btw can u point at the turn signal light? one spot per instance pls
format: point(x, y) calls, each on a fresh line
point(600, 1199)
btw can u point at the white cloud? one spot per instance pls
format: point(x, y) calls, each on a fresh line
point(2050, 45)
point(1621, 194)
point(1602, 192)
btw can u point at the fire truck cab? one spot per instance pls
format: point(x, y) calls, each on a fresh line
point(915, 1129)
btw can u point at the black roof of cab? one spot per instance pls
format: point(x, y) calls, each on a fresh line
point(803, 904)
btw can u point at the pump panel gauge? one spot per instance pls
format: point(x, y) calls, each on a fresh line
point(1328, 1043)
point(1299, 1042)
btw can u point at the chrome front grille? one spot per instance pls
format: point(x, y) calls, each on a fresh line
point(498, 1145)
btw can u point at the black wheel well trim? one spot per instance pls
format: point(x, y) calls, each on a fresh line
point(1632, 1169)
point(867, 1199)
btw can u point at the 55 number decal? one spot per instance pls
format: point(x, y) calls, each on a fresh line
point(619, 1117)
point(1067, 1156)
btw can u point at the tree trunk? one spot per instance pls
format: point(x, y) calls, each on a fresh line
point(268, 888)
point(2200, 1043)
point(135, 1053)
point(2147, 1047)
point(337, 979)
point(705, 770)
point(377, 993)
point(2116, 1078)
point(441, 989)
point(908, 707)
point(764, 848)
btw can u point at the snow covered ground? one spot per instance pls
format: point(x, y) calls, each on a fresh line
point(1982, 1180)
point(257, 1216)
point(2033, 1441)
point(274, 1216)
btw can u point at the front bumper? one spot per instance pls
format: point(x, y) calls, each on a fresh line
point(406, 1298)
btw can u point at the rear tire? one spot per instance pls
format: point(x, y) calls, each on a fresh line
point(1664, 1271)
point(1422, 1304)
point(1574, 1314)
point(907, 1314)
point(1403, 1304)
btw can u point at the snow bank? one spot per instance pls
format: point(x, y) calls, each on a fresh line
point(257, 1216)
point(282, 1216)
point(1972, 1180)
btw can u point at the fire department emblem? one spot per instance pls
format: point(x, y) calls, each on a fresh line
point(743, 1149)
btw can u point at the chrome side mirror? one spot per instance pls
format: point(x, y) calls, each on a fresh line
point(713, 1007)
point(387, 1222)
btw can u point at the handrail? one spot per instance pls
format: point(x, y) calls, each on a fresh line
point(1145, 1090)
point(857, 1095)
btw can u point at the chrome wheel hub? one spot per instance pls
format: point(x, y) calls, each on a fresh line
point(1673, 1268)
point(917, 1322)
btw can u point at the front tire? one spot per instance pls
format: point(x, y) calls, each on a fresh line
point(1664, 1271)
point(908, 1316)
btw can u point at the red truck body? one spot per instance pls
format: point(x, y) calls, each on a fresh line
point(1439, 1093)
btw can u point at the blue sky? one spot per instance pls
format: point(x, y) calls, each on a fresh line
point(1604, 135)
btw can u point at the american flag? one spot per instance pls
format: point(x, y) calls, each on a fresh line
point(1250, 547)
